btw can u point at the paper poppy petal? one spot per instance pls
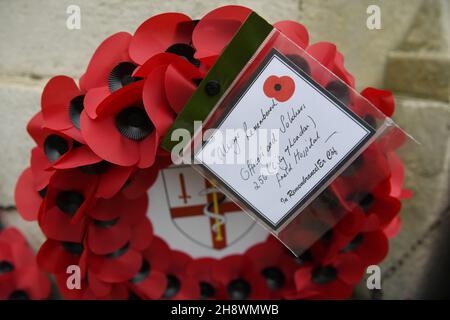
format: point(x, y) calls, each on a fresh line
point(142, 235)
point(158, 33)
point(58, 226)
point(104, 139)
point(350, 268)
point(34, 128)
point(294, 31)
point(102, 240)
point(53, 258)
point(323, 52)
point(216, 29)
point(112, 181)
point(98, 287)
point(382, 99)
point(77, 157)
point(155, 101)
point(55, 101)
point(111, 52)
point(152, 287)
point(116, 269)
point(179, 89)
point(93, 99)
point(148, 148)
point(393, 228)
point(39, 166)
point(26, 197)
point(374, 248)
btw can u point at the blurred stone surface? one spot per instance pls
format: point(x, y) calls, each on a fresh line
point(36, 42)
point(420, 66)
point(343, 22)
point(20, 101)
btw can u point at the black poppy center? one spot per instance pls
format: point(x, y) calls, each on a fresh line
point(275, 278)
point(339, 90)
point(18, 295)
point(355, 243)
point(73, 247)
point(96, 168)
point(324, 274)
point(142, 273)
point(106, 223)
point(354, 167)
point(277, 87)
point(5, 267)
point(54, 147)
point(206, 290)
point(300, 62)
point(306, 256)
point(173, 286)
point(119, 252)
point(185, 51)
point(43, 192)
point(366, 201)
point(69, 201)
point(239, 289)
point(329, 199)
point(76, 106)
point(134, 123)
point(120, 76)
point(370, 120)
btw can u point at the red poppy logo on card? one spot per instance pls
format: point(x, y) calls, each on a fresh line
point(279, 88)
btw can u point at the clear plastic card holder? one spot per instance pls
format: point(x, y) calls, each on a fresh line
point(318, 117)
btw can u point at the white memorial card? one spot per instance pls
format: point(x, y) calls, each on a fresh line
point(281, 140)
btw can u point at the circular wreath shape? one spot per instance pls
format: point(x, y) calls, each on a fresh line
point(97, 154)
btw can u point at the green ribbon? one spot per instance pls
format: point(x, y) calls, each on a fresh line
point(235, 56)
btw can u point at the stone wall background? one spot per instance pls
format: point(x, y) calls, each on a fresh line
point(409, 55)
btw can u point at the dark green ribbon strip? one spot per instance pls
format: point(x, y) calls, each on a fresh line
point(236, 55)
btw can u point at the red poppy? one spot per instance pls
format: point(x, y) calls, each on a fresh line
point(123, 263)
point(240, 278)
point(113, 222)
point(55, 150)
point(279, 88)
point(167, 32)
point(69, 194)
point(371, 247)
point(332, 281)
point(28, 200)
point(20, 277)
point(62, 103)
point(179, 285)
point(170, 82)
point(365, 172)
point(110, 64)
point(150, 282)
point(123, 133)
point(215, 30)
point(272, 262)
point(378, 206)
point(202, 271)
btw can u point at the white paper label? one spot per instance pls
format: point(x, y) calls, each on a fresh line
point(302, 133)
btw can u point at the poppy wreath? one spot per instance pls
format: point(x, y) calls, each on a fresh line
point(97, 153)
